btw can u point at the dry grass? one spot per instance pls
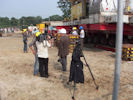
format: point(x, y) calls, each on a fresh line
point(18, 83)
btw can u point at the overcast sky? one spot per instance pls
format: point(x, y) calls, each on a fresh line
point(19, 8)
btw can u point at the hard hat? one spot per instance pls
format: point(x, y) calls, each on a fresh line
point(63, 31)
point(24, 30)
point(37, 34)
point(81, 27)
point(74, 28)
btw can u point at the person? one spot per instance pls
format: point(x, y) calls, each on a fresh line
point(82, 36)
point(76, 68)
point(33, 48)
point(63, 48)
point(42, 45)
point(25, 36)
point(35, 30)
point(74, 32)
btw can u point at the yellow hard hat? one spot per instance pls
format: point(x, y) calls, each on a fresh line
point(38, 33)
point(24, 30)
point(74, 28)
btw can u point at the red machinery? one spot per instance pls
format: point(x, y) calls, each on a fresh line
point(99, 20)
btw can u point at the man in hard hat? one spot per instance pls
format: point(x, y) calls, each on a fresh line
point(33, 48)
point(63, 48)
point(82, 36)
point(74, 31)
point(25, 36)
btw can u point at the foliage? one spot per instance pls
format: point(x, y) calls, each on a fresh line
point(14, 22)
point(54, 18)
point(65, 7)
point(26, 21)
point(30, 20)
point(4, 22)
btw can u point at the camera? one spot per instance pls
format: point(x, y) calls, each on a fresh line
point(78, 42)
point(42, 37)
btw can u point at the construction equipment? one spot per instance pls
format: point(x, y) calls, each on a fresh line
point(99, 18)
point(127, 52)
point(41, 27)
point(72, 38)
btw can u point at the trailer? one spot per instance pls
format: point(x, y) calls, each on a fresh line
point(99, 18)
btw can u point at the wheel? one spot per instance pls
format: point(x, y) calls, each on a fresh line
point(103, 40)
point(111, 42)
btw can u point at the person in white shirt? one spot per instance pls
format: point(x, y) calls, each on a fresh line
point(42, 45)
point(82, 36)
point(74, 32)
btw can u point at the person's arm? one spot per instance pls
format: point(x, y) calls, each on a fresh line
point(31, 45)
point(49, 43)
point(33, 51)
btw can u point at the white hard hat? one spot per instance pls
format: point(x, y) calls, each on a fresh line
point(63, 31)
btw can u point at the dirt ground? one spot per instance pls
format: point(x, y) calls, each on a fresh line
point(18, 83)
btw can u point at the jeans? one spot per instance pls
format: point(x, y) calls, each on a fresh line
point(43, 67)
point(64, 63)
point(25, 46)
point(36, 65)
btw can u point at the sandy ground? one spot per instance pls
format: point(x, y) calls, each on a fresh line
point(18, 83)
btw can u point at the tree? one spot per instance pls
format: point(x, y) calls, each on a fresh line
point(38, 19)
point(54, 18)
point(26, 21)
point(14, 22)
point(65, 7)
point(22, 21)
point(4, 22)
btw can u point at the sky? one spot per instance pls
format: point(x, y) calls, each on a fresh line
point(19, 8)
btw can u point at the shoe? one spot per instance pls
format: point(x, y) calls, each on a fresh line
point(46, 76)
point(64, 70)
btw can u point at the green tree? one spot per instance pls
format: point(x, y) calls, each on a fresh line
point(14, 22)
point(26, 21)
point(46, 19)
point(65, 7)
point(38, 19)
point(4, 22)
point(54, 18)
point(22, 21)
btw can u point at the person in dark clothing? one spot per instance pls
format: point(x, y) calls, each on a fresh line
point(63, 49)
point(25, 36)
point(76, 68)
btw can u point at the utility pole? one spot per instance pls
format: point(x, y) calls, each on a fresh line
point(119, 39)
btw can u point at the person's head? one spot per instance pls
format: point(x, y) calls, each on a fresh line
point(35, 29)
point(74, 28)
point(24, 30)
point(37, 34)
point(81, 27)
